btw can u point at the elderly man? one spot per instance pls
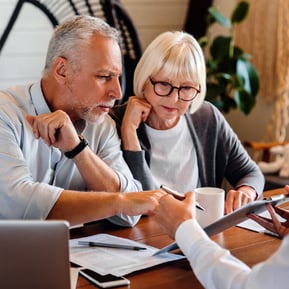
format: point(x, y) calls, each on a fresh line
point(60, 155)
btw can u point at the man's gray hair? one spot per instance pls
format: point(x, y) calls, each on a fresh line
point(73, 33)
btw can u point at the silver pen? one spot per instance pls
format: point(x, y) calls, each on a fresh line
point(109, 245)
point(178, 196)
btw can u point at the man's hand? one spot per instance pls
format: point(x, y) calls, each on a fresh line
point(274, 225)
point(56, 129)
point(237, 198)
point(171, 212)
point(139, 203)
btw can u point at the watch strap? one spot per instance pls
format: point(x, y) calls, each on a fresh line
point(79, 148)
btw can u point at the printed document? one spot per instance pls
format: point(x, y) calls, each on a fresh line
point(116, 261)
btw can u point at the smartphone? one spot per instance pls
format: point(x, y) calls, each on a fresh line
point(103, 281)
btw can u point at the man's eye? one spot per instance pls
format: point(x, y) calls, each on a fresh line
point(105, 77)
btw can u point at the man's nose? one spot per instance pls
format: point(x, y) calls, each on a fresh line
point(117, 89)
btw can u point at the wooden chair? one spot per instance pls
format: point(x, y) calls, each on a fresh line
point(272, 180)
point(263, 148)
point(111, 11)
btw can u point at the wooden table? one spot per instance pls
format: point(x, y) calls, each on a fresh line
point(250, 247)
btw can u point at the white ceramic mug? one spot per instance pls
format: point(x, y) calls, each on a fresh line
point(212, 200)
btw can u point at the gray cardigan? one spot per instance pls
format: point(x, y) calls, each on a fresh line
point(219, 151)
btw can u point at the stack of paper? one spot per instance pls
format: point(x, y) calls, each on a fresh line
point(116, 261)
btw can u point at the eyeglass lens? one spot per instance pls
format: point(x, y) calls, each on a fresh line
point(186, 93)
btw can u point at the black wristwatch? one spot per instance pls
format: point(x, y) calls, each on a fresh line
point(79, 148)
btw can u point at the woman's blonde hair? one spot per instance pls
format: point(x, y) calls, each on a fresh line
point(177, 54)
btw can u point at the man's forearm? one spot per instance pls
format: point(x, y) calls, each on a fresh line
point(82, 207)
point(96, 173)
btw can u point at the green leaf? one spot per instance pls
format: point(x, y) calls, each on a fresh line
point(249, 76)
point(203, 41)
point(236, 81)
point(227, 65)
point(214, 91)
point(228, 104)
point(210, 20)
point(239, 53)
point(221, 19)
point(240, 12)
point(220, 47)
point(245, 101)
point(223, 77)
point(254, 78)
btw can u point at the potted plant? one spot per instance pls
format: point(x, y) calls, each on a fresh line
point(232, 80)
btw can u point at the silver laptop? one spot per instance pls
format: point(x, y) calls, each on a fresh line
point(34, 254)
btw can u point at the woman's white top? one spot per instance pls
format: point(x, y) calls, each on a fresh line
point(174, 159)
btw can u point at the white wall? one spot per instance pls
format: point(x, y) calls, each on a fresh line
point(22, 57)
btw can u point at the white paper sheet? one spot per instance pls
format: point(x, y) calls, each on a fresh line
point(74, 277)
point(118, 262)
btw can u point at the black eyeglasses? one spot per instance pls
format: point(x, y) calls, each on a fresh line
point(185, 93)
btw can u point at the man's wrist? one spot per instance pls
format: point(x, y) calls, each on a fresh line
point(79, 148)
point(184, 239)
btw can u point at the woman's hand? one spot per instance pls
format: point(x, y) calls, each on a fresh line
point(137, 111)
point(237, 198)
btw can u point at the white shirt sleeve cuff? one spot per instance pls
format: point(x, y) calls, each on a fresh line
point(188, 233)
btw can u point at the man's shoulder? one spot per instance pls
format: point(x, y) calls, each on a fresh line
point(15, 94)
point(104, 125)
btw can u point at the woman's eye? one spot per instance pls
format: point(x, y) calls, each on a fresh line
point(165, 84)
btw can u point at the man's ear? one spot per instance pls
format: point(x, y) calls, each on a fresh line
point(60, 69)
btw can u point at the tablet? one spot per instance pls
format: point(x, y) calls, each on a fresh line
point(233, 219)
point(241, 215)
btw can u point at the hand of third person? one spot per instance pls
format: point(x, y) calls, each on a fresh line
point(171, 212)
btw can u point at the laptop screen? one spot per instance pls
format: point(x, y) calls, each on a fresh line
point(34, 254)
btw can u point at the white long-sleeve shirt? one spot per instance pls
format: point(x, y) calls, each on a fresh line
point(216, 268)
point(32, 175)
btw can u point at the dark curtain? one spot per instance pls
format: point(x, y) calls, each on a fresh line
point(195, 23)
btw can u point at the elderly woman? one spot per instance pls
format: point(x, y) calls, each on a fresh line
point(171, 136)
